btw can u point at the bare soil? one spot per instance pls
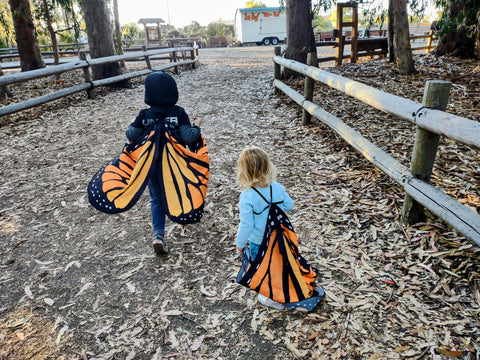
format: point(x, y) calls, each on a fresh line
point(79, 284)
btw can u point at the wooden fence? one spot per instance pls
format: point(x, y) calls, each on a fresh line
point(431, 123)
point(366, 46)
point(89, 85)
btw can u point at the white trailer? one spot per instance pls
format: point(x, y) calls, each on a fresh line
point(266, 25)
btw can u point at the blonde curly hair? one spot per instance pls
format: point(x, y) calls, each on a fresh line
point(254, 168)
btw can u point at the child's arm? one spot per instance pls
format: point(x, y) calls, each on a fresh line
point(133, 132)
point(189, 133)
point(287, 202)
point(246, 223)
point(136, 128)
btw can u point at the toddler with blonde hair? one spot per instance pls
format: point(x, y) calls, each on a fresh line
point(256, 177)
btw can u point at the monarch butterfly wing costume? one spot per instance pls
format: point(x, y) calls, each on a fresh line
point(279, 272)
point(185, 176)
point(118, 185)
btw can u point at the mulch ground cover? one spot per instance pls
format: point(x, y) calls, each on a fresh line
point(79, 284)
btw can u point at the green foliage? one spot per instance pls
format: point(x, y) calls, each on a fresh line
point(193, 30)
point(173, 33)
point(64, 18)
point(130, 32)
point(461, 15)
point(316, 6)
point(6, 27)
point(166, 28)
point(321, 24)
point(219, 29)
point(254, 4)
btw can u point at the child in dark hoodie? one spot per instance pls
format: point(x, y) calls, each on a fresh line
point(161, 94)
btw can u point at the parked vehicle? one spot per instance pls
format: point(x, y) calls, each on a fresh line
point(267, 25)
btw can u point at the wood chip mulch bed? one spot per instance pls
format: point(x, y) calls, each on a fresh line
point(79, 284)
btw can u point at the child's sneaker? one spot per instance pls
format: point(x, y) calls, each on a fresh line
point(159, 244)
point(270, 303)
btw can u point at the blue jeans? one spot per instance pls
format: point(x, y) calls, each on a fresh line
point(156, 208)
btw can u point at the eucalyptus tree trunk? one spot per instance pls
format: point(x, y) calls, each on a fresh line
point(391, 47)
point(118, 28)
point(100, 37)
point(27, 45)
point(460, 40)
point(53, 35)
point(401, 38)
point(300, 37)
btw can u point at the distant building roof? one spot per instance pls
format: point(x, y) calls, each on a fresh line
point(150, 21)
point(262, 9)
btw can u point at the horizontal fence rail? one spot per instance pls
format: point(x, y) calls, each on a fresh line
point(455, 127)
point(459, 216)
point(89, 84)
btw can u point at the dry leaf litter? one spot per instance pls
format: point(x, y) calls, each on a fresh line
point(79, 284)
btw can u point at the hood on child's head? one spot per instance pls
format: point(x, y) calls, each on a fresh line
point(160, 90)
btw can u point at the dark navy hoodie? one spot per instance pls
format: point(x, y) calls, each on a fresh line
point(161, 94)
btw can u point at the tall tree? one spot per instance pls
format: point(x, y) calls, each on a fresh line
point(399, 48)
point(459, 28)
point(401, 38)
point(100, 37)
point(300, 37)
point(45, 9)
point(390, 32)
point(118, 28)
point(27, 44)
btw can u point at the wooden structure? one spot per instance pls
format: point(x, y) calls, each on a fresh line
point(153, 31)
point(368, 43)
point(351, 7)
point(431, 122)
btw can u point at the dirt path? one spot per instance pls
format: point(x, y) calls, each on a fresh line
point(79, 284)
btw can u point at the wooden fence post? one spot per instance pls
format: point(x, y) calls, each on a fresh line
point(429, 43)
point(435, 96)
point(192, 57)
point(86, 73)
point(308, 90)
point(354, 40)
point(340, 39)
point(175, 59)
point(4, 90)
point(277, 68)
point(147, 58)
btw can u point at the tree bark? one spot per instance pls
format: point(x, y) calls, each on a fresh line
point(27, 45)
point(401, 38)
point(458, 41)
point(300, 36)
point(391, 47)
point(53, 35)
point(118, 28)
point(100, 37)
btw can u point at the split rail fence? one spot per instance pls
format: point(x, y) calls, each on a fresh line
point(89, 84)
point(431, 121)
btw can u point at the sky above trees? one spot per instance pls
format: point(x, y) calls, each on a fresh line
point(180, 13)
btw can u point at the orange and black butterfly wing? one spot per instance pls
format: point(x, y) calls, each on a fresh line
point(118, 185)
point(279, 272)
point(185, 176)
